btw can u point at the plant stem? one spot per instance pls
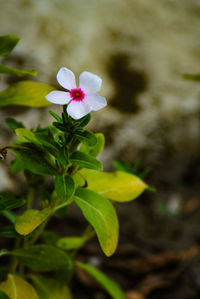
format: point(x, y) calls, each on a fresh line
point(15, 261)
point(30, 198)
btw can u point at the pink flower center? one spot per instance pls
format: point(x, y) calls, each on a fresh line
point(77, 94)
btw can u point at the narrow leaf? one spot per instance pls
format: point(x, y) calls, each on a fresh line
point(14, 124)
point(12, 71)
point(25, 93)
point(101, 214)
point(30, 220)
point(108, 284)
point(9, 232)
point(56, 116)
point(8, 43)
point(193, 77)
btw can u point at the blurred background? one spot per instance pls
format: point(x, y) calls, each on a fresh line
point(141, 49)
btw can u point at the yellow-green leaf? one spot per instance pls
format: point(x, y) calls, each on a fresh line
point(118, 185)
point(25, 93)
point(30, 220)
point(17, 288)
point(71, 243)
point(25, 135)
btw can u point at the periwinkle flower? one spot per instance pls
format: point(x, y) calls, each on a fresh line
point(82, 100)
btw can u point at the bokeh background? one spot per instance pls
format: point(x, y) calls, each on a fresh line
point(141, 49)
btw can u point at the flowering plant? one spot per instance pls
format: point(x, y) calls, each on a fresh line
point(65, 155)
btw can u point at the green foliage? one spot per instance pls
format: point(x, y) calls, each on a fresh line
point(44, 258)
point(8, 201)
point(9, 232)
point(100, 213)
point(65, 152)
point(3, 295)
point(25, 93)
point(86, 137)
point(14, 124)
point(35, 161)
point(97, 148)
point(85, 161)
point(48, 288)
point(108, 284)
point(65, 187)
point(71, 243)
point(8, 43)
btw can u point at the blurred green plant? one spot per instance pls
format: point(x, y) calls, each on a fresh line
point(66, 152)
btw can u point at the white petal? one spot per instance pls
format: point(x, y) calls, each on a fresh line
point(59, 97)
point(95, 102)
point(66, 78)
point(89, 82)
point(78, 109)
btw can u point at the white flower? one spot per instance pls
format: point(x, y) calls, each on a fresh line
point(80, 100)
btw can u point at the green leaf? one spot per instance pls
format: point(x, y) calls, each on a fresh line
point(108, 284)
point(3, 295)
point(8, 43)
point(14, 124)
point(48, 288)
point(25, 135)
point(65, 187)
point(10, 202)
point(101, 214)
point(35, 162)
point(86, 137)
point(30, 220)
point(12, 71)
point(193, 77)
point(9, 215)
point(9, 232)
point(82, 122)
point(84, 160)
point(56, 116)
point(97, 148)
point(4, 252)
point(44, 258)
point(25, 93)
point(49, 237)
point(71, 243)
point(118, 185)
point(17, 166)
point(17, 288)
